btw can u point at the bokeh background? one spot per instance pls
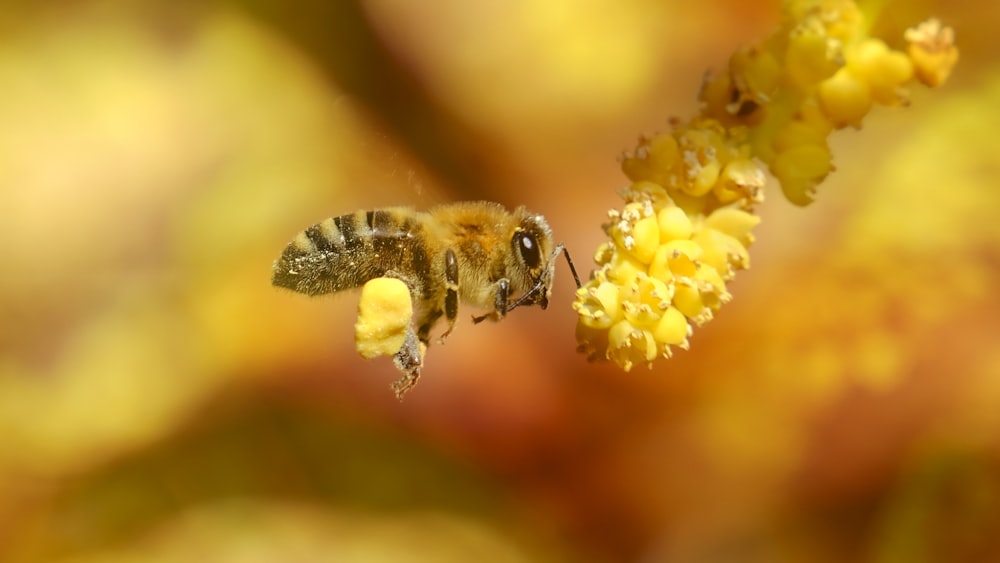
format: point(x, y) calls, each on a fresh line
point(160, 401)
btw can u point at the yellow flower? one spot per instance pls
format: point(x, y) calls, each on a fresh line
point(685, 227)
point(932, 50)
point(663, 271)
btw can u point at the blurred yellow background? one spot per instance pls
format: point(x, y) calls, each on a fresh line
point(160, 401)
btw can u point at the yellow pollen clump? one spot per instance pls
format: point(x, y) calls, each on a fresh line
point(384, 315)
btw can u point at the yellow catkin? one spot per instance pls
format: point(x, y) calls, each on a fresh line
point(685, 228)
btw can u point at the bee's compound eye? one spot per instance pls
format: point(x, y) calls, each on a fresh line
point(527, 245)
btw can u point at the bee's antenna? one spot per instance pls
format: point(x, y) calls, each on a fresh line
point(576, 278)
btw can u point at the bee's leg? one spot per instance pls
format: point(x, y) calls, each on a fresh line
point(501, 299)
point(500, 302)
point(409, 359)
point(410, 356)
point(426, 324)
point(451, 291)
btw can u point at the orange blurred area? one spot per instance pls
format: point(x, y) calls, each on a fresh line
point(160, 401)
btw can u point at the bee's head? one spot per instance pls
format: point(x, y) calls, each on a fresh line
point(533, 255)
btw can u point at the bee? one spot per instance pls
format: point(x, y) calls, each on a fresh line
point(478, 253)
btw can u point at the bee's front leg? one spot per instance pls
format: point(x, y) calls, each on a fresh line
point(501, 300)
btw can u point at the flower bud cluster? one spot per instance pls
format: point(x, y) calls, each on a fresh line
point(701, 165)
point(820, 72)
point(663, 271)
point(685, 227)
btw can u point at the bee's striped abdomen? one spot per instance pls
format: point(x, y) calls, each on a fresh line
point(347, 251)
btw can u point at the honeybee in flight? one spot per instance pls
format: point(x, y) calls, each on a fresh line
point(475, 252)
